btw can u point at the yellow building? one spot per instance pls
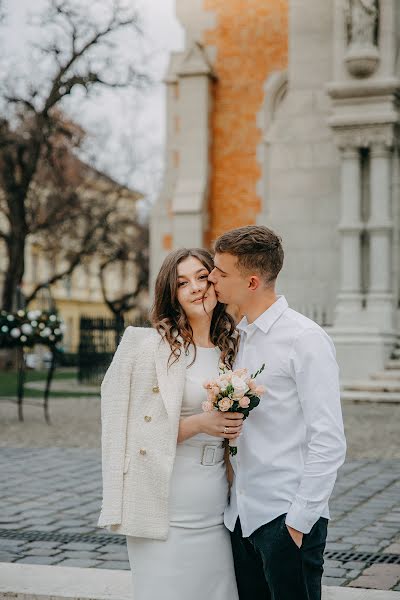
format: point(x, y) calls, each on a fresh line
point(80, 293)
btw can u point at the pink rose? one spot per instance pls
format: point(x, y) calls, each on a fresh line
point(242, 373)
point(225, 404)
point(244, 402)
point(207, 385)
point(260, 389)
point(207, 406)
point(216, 390)
point(222, 382)
point(210, 396)
point(252, 384)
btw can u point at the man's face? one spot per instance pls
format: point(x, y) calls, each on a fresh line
point(231, 286)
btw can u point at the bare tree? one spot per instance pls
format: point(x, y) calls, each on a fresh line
point(125, 245)
point(37, 189)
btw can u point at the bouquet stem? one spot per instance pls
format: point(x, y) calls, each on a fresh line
point(232, 448)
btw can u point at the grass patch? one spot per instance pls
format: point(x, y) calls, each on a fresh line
point(8, 384)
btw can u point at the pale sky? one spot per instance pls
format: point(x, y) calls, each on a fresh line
point(126, 118)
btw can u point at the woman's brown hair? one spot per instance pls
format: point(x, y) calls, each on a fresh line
point(170, 320)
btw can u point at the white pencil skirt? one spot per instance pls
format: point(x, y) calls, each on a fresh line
point(196, 560)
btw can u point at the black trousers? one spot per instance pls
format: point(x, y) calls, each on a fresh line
point(270, 566)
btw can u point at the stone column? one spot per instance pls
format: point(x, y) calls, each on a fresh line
point(189, 202)
point(380, 225)
point(349, 302)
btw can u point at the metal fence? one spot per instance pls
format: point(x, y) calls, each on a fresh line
point(99, 338)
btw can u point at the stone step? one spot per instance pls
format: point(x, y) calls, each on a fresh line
point(40, 582)
point(379, 397)
point(371, 385)
point(389, 374)
point(392, 364)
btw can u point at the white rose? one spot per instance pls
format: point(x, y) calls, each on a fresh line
point(34, 314)
point(15, 333)
point(46, 332)
point(26, 328)
point(240, 387)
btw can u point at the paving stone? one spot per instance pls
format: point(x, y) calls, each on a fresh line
point(333, 580)
point(42, 544)
point(80, 554)
point(334, 572)
point(115, 565)
point(366, 548)
point(109, 548)
point(117, 556)
point(38, 560)
point(10, 543)
point(75, 546)
point(393, 549)
point(378, 577)
point(40, 551)
point(76, 562)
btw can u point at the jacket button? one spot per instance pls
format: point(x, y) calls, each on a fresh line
point(156, 389)
point(147, 419)
point(143, 451)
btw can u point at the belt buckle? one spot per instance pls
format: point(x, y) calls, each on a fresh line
point(209, 455)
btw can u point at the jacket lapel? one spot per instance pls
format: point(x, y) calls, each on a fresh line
point(170, 380)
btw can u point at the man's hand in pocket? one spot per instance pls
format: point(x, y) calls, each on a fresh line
point(297, 536)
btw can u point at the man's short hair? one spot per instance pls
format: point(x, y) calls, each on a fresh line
point(257, 249)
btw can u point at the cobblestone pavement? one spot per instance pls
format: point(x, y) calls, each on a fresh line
point(50, 500)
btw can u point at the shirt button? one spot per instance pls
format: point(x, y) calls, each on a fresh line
point(147, 419)
point(156, 389)
point(143, 451)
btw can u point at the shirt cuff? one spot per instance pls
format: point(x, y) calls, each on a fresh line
point(301, 518)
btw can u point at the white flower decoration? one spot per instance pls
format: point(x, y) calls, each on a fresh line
point(15, 332)
point(26, 328)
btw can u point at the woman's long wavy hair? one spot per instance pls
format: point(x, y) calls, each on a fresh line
point(170, 320)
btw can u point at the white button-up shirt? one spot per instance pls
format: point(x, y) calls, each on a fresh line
point(292, 443)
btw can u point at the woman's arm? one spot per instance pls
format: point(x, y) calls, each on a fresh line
point(218, 424)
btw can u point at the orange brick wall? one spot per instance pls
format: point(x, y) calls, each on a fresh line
point(251, 41)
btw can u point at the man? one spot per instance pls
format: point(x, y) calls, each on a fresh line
point(293, 443)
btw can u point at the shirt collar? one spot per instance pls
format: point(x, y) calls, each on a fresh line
point(267, 318)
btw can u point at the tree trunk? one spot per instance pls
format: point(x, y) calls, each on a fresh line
point(15, 269)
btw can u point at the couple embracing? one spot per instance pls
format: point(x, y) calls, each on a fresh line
point(200, 524)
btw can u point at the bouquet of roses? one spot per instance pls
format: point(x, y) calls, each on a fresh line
point(233, 391)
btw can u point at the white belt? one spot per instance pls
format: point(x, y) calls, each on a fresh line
point(207, 454)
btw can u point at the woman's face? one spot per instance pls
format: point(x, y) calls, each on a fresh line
point(195, 295)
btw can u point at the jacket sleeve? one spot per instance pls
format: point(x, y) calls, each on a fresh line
point(115, 395)
point(317, 376)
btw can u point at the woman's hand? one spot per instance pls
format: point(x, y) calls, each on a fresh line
point(216, 423)
point(221, 424)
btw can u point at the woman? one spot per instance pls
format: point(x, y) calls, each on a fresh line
point(164, 478)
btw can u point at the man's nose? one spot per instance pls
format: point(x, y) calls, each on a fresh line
point(211, 276)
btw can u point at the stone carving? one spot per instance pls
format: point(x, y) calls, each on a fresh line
point(348, 138)
point(362, 20)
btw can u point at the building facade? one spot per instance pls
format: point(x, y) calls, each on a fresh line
point(286, 113)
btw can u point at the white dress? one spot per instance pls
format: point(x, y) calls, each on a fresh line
point(196, 559)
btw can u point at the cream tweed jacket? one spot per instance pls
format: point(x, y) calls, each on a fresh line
point(140, 411)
